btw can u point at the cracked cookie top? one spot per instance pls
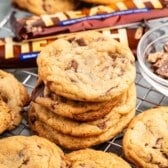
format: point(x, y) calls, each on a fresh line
point(145, 142)
point(88, 66)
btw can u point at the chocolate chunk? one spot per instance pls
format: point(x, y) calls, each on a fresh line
point(102, 125)
point(25, 162)
point(33, 119)
point(165, 47)
point(73, 64)
point(71, 39)
point(54, 105)
point(81, 42)
point(38, 91)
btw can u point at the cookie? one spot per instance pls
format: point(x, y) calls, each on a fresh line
point(14, 94)
point(95, 159)
point(74, 143)
point(126, 103)
point(87, 67)
point(66, 107)
point(145, 142)
point(83, 129)
point(33, 151)
point(40, 7)
point(5, 117)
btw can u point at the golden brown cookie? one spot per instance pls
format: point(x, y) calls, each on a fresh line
point(72, 142)
point(145, 142)
point(5, 117)
point(40, 7)
point(14, 94)
point(125, 103)
point(87, 67)
point(32, 152)
point(84, 129)
point(90, 158)
point(67, 107)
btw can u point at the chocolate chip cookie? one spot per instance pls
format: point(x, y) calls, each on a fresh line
point(95, 159)
point(40, 7)
point(70, 108)
point(84, 129)
point(125, 103)
point(33, 151)
point(14, 94)
point(145, 142)
point(74, 143)
point(5, 117)
point(87, 67)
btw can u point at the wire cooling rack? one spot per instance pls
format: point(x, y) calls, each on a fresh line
point(147, 97)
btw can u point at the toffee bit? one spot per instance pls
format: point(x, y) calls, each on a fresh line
point(154, 57)
point(159, 62)
point(163, 71)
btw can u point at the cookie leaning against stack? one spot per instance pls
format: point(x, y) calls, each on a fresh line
point(145, 142)
point(13, 97)
point(86, 93)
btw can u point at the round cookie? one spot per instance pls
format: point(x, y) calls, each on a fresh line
point(14, 94)
point(67, 107)
point(33, 152)
point(87, 67)
point(74, 143)
point(40, 7)
point(84, 129)
point(95, 159)
point(5, 117)
point(145, 142)
point(126, 102)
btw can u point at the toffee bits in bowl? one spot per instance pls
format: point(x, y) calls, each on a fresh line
point(153, 57)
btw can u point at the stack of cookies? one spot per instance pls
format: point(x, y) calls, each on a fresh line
point(85, 94)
